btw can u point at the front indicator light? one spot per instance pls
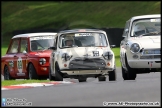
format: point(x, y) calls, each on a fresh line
point(108, 64)
point(43, 68)
point(65, 65)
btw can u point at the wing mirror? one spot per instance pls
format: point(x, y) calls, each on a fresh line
point(52, 48)
point(126, 31)
point(112, 46)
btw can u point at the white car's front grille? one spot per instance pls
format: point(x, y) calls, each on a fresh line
point(152, 52)
point(150, 57)
point(87, 63)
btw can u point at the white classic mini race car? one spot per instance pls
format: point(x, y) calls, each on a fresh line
point(82, 53)
point(140, 50)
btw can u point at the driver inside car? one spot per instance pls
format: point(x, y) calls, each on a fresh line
point(68, 41)
point(139, 29)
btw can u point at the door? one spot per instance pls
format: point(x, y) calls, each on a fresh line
point(11, 53)
point(21, 58)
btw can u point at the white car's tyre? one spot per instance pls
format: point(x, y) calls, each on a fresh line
point(131, 73)
point(51, 78)
point(101, 78)
point(58, 75)
point(82, 79)
point(124, 74)
point(112, 75)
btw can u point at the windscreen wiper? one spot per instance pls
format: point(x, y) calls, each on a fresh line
point(152, 33)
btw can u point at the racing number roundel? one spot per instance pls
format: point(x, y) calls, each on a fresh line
point(19, 65)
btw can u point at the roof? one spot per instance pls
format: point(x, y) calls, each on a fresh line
point(81, 30)
point(33, 34)
point(145, 16)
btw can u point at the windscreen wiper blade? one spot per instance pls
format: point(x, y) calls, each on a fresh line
point(151, 33)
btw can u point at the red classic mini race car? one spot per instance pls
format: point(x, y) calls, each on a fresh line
point(27, 56)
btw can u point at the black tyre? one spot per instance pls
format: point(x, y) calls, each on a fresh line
point(131, 73)
point(82, 79)
point(112, 75)
point(32, 72)
point(58, 75)
point(7, 75)
point(51, 78)
point(124, 74)
point(101, 78)
point(42, 78)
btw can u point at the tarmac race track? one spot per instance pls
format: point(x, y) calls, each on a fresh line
point(146, 89)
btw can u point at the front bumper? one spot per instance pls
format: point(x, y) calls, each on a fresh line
point(144, 63)
point(86, 71)
point(43, 70)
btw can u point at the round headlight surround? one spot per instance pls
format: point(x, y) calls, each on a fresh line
point(108, 55)
point(42, 61)
point(135, 48)
point(66, 56)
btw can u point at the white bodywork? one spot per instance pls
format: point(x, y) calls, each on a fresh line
point(149, 55)
point(81, 52)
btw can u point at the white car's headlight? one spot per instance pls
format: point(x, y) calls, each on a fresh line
point(135, 48)
point(108, 55)
point(42, 61)
point(66, 56)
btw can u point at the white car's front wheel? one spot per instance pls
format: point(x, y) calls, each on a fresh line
point(102, 78)
point(58, 75)
point(131, 73)
point(124, 74)
point(51, 78)
point(82, 79)
point(112, 75)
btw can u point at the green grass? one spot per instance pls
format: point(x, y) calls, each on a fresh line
point(15, 82)
point(23, 15)
point(117, 56)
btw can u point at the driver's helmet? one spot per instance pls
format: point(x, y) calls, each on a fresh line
point(139, 29)
point(68, 38)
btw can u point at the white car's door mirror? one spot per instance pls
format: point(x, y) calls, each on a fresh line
point(112, 46)
point(126, 31)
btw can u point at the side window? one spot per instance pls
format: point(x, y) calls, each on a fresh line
point(14, 46)
point(126, 29)
point(23, 45)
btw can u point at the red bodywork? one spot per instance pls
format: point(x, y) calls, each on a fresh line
point(29, 57)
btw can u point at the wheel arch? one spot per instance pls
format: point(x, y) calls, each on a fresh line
point(56, 63)
point(124, 61)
